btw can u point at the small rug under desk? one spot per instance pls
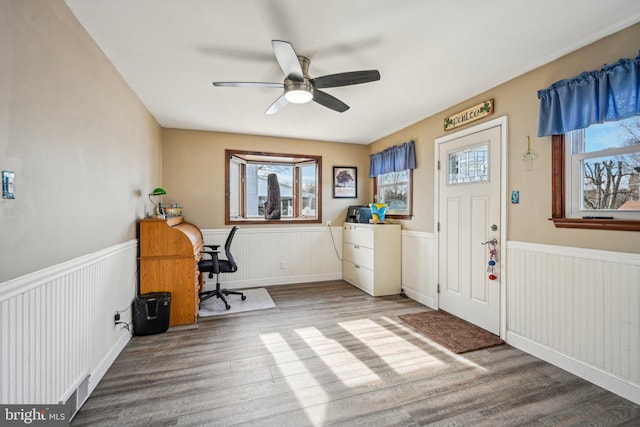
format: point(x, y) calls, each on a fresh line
point(257, 299)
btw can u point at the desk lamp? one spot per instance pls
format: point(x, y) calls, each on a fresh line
point(158, 192)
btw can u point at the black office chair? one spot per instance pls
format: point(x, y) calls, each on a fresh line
point(215, 265)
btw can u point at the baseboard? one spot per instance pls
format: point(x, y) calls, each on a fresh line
point(273, 281)
point(419, 297)
point(594, 375)
point(105, 363)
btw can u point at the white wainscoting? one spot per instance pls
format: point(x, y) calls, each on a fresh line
point(309, 255)
point(277, 256)
point(57, 332)
point(578, 309)
point(419, 280)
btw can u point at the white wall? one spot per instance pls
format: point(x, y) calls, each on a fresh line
point(57, 330)
point(282, 255)
point(419, 274)
point(579, 309)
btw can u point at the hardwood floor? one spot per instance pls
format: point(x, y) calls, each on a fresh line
point(329, 354)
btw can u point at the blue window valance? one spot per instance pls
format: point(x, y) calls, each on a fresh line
point(393, 159)
point(612, 93)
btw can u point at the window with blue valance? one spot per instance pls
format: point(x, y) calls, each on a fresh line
point(393, 159)
point(612, 93)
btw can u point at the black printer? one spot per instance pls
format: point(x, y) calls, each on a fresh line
point(359, 214)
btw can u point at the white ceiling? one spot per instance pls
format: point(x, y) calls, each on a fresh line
point(431, 54)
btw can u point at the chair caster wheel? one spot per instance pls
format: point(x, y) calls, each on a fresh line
point(244, 297)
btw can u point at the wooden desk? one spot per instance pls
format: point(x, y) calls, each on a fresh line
point(169, 255)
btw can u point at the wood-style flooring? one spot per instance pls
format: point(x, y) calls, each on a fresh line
point(329, 354)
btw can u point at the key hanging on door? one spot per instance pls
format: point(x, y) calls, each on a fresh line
point(492, 262)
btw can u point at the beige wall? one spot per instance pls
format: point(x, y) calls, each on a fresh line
point(86, 152)
point(517, 99)
point(194, 159)
point(84, 149)
point(193, 169)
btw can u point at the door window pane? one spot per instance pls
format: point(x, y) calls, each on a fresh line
point(469, 165)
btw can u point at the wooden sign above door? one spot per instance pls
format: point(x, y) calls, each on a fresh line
point(469, 115)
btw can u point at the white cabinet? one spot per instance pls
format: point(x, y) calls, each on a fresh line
point(371, 258)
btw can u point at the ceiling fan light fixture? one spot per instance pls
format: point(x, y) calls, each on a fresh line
point(298, 96)
point(299, 87)
point(298, 92)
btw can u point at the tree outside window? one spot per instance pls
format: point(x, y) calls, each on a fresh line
point(394, 189)
point(603, 162)
point(299, 182)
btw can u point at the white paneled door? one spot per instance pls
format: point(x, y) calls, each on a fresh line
point(469, 217)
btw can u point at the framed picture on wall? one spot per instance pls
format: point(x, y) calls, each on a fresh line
point(345, 182)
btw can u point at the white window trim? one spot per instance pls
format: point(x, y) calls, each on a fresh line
point(573, 179)
point(405, 212)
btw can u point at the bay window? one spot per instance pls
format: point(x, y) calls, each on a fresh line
point(299, 180)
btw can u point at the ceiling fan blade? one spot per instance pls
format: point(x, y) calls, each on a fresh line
point(287, 59)
point(346, 79)
point(329, 101)
point(247, 84)
point(277, 105)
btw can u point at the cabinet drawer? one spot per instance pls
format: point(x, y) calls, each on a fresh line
point(359, 255)
point(358, 276)
point(358, 235)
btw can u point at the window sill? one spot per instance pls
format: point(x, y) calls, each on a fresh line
point(558, 198)
point(396, 216)
point(597, 224)
point(237, 221)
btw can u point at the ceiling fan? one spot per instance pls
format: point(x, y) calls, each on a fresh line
point(299, 87)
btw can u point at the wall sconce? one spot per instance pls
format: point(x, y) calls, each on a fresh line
point(158, 192)
point(528, 157)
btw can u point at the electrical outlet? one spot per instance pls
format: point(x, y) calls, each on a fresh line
point(283, 264)
point(328, 223)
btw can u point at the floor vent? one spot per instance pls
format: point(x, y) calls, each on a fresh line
point(78, 397)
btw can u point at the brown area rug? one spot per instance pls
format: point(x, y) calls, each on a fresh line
point(450, 331)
